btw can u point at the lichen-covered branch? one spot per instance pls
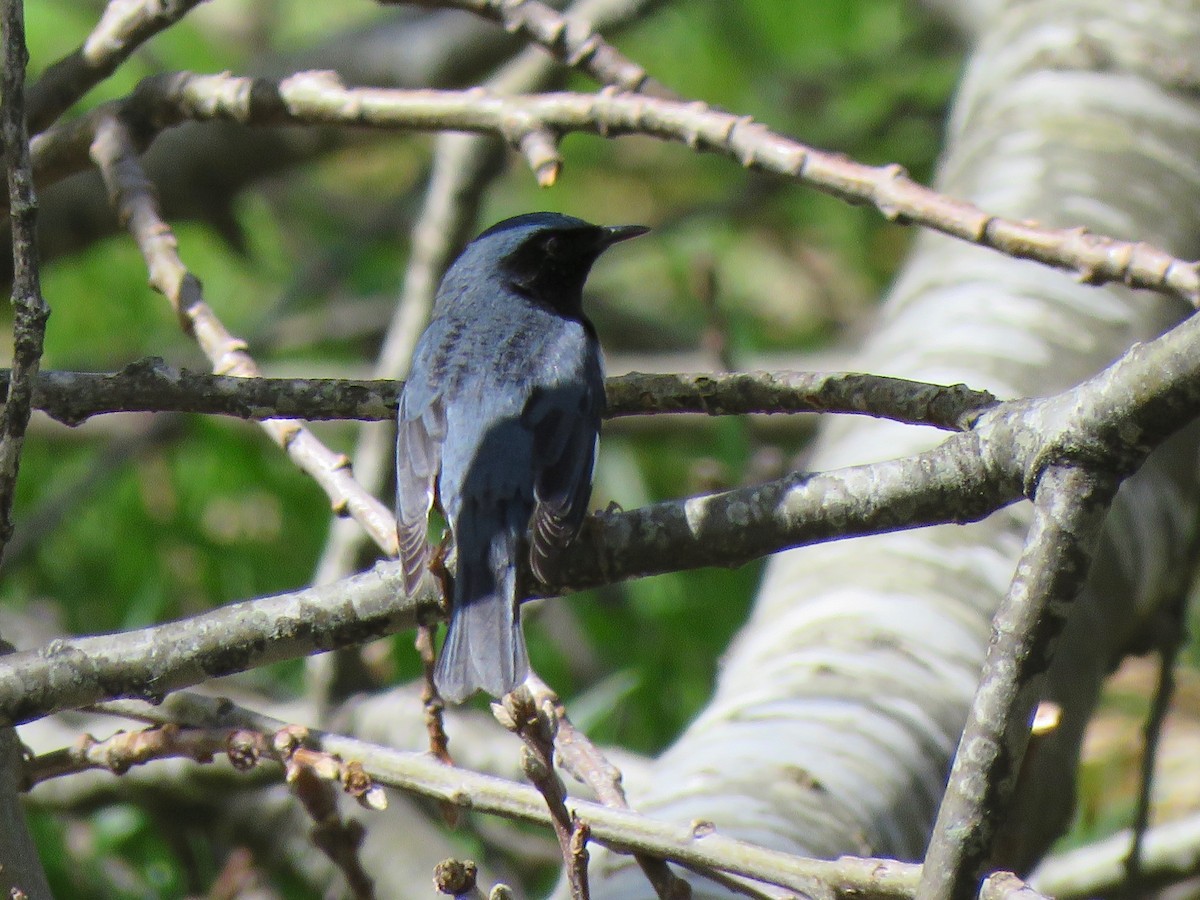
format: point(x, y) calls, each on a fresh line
point(706, 531)
point(21, 872)
point(153, 386)
point(1069, 509)
point(30, 311)
point(150, 662)
point(1102, 424)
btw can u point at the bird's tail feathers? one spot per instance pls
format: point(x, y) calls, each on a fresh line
point(485, 647)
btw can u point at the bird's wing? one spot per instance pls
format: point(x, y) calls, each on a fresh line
point(420, 432)
point(565, 421)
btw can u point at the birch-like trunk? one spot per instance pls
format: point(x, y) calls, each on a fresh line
point(840, 703)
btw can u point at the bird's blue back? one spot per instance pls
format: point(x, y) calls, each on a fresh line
point(503, 404)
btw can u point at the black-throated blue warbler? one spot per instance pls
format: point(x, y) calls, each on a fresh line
point(499, 419)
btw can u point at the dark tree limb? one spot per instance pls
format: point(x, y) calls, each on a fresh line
point(30, 311)
point(21, 874)
point(150, 385)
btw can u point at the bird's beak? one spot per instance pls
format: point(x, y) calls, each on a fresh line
point(613, 234)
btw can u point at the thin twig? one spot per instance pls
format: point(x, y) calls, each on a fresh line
point(568, 36)
point(319, 98)
point(123, 27)
point(339, 840)
point(536, 725)
point(133, 197)
point(584, 760)
point(435, 725)
point(1170, 637)
point(312, 775)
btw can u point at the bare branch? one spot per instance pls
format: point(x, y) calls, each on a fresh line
point(535, 724)
point(1170, 637)
point(310, 779)
point(709, 531)
point(703, 531)
point(1069, 510)
point(151, 662)
point(584, 760)
point(699, 846)
point(123, 27)
point(133, 197)
point(567, 36)
point(312, 774)
point(319, 98)
point(948, 483)
point(150, 385)
point(21, 872)
point(30, 309)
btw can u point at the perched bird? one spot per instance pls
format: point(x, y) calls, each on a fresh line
point(500, 418)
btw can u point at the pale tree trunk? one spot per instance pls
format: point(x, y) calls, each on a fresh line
point(840, 703)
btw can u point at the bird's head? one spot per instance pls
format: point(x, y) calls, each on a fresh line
point(547, 256)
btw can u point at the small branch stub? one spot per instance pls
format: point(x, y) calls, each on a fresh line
point(455, 877)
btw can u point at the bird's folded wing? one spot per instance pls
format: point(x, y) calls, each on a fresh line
point(421, 429)
point(565, 421)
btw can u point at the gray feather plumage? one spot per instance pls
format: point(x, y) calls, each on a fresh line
point(499, 420)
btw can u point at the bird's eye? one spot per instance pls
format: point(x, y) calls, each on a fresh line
point(553, 246)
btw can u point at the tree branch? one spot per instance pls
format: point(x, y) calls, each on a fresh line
point(699, 847)
point(319, 98)
point(123, 27)
point(1069, 510)
point(30, 311)
point(720, 529)
point(133, 198)
point(150, 385)
point(150, 662)
point(21, 873)
point(1101, 423)
point(568, 37)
